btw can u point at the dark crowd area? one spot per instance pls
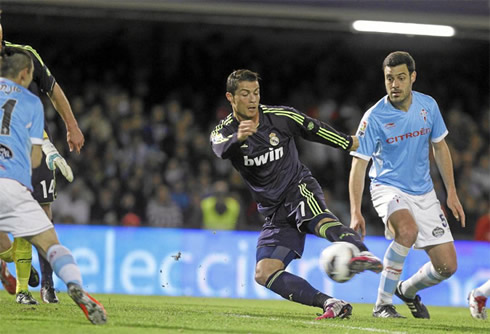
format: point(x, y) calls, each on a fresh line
point(147, 96)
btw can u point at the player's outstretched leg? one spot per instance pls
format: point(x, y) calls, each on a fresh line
point(63, 264)
point(414, 304)
point(8, 280)
point(335, 308)
point(93, 310)
point(366, 261)
point(333, 230)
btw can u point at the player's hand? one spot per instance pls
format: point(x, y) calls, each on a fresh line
point(454, 204)
point(55, 160)
point(358, 224)
point(246, 129)
point(75, 139)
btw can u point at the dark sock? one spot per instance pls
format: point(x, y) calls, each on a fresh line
point(336, 231)
point(295, 288)
point(46, 272)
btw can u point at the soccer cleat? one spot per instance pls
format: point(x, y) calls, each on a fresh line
point(386, 311)
point(93, 310)
point(365, 261)
point(33, 277)
point(8, 281)
point(415, 305)
point(48, 295)
point(25, 298)
point(477, 306)
point(336, 308)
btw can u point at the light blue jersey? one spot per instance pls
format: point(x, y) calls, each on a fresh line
point(398, 142)
point(21, 126)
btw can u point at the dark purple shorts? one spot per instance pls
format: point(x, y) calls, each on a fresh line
point(288, 226)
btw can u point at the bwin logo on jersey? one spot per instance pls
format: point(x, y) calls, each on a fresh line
point(272, 155)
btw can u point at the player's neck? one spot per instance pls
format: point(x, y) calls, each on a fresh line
point(404, 105)
point(255, 119)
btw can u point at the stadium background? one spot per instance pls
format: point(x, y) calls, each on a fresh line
point(146, 81)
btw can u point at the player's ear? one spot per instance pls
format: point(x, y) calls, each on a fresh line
point(229, 97)
point(413, 76)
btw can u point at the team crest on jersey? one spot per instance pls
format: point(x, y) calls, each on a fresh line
point(362, 129)
point(310, 126)
point(273, 139)
point(5, 152)
point(423, 114)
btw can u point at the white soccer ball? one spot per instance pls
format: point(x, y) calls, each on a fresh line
point(334, 260)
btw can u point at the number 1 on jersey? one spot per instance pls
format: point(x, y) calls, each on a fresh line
point(8, 109)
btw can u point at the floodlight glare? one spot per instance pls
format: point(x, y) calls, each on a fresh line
point(404, 28)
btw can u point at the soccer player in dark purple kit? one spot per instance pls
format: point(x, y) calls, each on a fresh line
point(259, 140)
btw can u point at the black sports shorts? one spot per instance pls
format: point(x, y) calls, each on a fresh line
point(44, 183)
point(286, 227)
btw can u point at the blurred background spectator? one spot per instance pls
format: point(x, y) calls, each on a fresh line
point(220, 210)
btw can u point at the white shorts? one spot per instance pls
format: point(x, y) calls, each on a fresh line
point(20, 214)
point(425, 209)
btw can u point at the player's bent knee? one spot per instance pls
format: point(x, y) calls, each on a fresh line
point(447, 270)
point(265, 268)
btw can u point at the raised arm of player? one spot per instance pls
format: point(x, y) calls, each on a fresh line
point(313, 129)
point(356, 188)
point(444, 163)
point(74, 135)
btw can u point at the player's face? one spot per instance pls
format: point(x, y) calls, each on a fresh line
point(398, 83)
point(245, 101)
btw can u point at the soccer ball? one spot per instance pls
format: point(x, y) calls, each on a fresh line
point(334, 260)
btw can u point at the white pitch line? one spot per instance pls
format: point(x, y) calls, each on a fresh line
point(368, 329)
point(316, 323)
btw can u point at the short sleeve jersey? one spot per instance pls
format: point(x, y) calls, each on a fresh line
point(21, 126)
point(398, 143)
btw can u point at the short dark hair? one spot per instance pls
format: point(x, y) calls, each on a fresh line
point(399, 58)
point(12, 64)
point(237, 76)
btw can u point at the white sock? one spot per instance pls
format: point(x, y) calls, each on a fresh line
point(425, 277)
point(64, 265)
point(483, 290)
point(393, 264)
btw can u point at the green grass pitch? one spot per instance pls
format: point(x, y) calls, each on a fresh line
point(161, 314)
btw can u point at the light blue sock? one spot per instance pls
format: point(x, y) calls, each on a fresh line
point(425, 277)
point(393, 264)
point(64, 265)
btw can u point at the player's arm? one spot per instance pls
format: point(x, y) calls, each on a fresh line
point(74, 135)
point(224, 144)
point(48, 85)
point(444, 163)
point(36, 156)
point(356, 189)
point(315, 130)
